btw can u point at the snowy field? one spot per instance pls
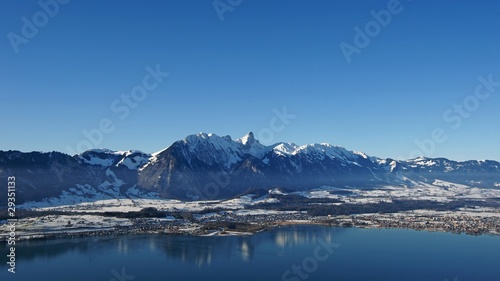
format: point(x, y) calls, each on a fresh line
point(84, 207)
point(131, 205)
point(438, 191)
point(56, 223)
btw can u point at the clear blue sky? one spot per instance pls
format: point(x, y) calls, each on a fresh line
point(226, 77)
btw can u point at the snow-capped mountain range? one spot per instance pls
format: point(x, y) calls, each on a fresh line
point(207, 166)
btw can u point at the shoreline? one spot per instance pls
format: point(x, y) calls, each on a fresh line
point(456, 224)
point(98, 233)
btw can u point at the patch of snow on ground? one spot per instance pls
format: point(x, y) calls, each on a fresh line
point(54, 223)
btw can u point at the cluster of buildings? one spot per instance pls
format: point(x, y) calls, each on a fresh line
point(455, 222)
point(433, 221)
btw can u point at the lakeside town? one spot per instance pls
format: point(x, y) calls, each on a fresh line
point(444, 208)
point(472, 222)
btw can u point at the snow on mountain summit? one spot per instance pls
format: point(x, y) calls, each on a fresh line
point(210, 148)
point(284, 148)
point(247, 139)
point(225, 151)
point(187, 167)
point(132, 159)
point(319, 151)
point(252, 146)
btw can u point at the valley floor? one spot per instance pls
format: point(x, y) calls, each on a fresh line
point(441, 206)
point(245, 222)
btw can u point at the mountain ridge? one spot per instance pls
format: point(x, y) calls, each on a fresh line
point(208, 166)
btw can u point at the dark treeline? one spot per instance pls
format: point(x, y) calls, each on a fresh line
point(317, 206)
point(313, 207)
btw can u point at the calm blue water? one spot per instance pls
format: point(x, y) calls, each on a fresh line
point(314, 252)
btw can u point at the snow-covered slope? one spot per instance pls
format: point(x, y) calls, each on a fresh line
point(132, 159)
point(211, 148)
point(208, 166)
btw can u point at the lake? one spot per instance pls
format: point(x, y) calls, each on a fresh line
point(291, 253)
